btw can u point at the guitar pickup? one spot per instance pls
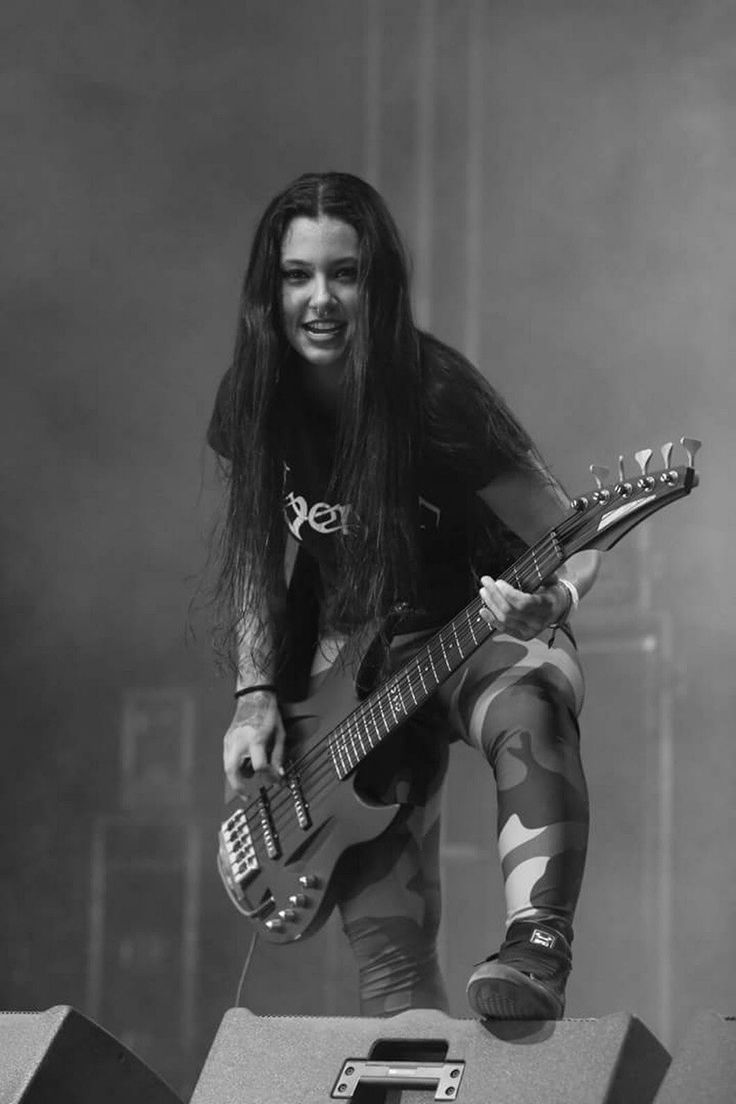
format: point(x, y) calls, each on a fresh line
point(270, 836)
point(301, 807)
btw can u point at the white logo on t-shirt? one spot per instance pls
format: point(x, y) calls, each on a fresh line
point(324, 518)
point(321, 516)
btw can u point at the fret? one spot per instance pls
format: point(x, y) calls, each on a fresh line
point(536, 565)
point(358, 739)
point(556, 547)
point(399, 700)
point(365, 743)
point(347, 753)
point(445, 657)
point(473, 625)
point(466, 640)
point(352, 747)
point(335, 766)
point(337, 751)
point(344, 758)
point(380, 724)
point(392, 703)
point(443, 654)
point(352, 751)
point(379, 703)
point(515, 580)
point(367, 723)
point(335, 747)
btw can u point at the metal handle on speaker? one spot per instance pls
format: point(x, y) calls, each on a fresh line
point(447, 1076)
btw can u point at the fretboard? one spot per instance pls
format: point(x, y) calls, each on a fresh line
point(409, 687)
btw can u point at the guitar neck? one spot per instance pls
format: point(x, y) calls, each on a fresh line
point(597, 521)
point(409, 687)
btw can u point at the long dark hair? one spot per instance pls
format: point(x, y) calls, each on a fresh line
point(386, 416)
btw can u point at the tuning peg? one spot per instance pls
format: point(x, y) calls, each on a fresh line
point(666, 451)
point(623, 487)
point(691, 446)
point(642, 457)
point(599, 473)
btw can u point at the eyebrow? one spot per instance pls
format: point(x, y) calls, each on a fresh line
point(351, 259)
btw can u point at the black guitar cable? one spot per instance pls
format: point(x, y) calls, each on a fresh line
point(246, 966)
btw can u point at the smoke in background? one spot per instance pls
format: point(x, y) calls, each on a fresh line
point(563, 174)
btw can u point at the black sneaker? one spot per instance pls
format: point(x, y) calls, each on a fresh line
point(526, 979)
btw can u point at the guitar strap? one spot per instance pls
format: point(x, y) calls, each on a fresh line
point(375, 666)
point(299, 628)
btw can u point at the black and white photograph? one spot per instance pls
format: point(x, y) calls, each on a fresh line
point(367, 413)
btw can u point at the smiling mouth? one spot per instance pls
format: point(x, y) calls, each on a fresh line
point(327, 327)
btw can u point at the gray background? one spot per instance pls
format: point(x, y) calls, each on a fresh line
point(563, 174)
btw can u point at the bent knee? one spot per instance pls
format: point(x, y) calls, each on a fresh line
point(538, 704)
point(397, 964)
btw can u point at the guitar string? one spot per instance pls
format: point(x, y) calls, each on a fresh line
point(320, 760)
point(350, 734)
point(318, 778)
point(316, 768)
point(435, 650)
point(320, 755)
point(337, 743)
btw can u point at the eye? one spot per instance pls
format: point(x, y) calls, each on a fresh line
point(348, 274)
point(294, 275)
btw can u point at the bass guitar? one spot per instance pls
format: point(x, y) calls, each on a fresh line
point(278, 850)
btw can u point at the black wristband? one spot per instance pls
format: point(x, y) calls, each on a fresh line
point(252, 689)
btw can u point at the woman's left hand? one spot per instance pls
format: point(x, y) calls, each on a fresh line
point(518, 614)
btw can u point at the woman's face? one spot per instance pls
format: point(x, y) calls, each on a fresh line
point(319, 289)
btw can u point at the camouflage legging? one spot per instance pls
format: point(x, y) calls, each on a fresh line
point(517, 703)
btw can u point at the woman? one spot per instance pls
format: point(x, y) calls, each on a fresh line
point(405, 484)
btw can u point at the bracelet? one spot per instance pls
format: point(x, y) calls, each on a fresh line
point(252, 689)
point(572, 590)
point(573, 601)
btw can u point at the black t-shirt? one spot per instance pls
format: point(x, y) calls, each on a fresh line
point(459, 537)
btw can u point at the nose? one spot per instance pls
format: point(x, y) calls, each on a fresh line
point(321, 298)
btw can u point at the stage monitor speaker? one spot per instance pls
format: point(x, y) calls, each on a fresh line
point(422, 1056)
point(60, 1057)
point(703, 1069)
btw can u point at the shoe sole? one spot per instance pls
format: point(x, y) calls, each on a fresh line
point(504, 993)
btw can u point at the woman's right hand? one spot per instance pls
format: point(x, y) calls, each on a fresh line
point(255, 739)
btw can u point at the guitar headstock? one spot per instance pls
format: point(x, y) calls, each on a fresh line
point(604, 515)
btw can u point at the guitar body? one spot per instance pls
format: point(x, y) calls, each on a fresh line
point(278, 851)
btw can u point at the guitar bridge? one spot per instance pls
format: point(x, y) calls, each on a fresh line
point(237, 852)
